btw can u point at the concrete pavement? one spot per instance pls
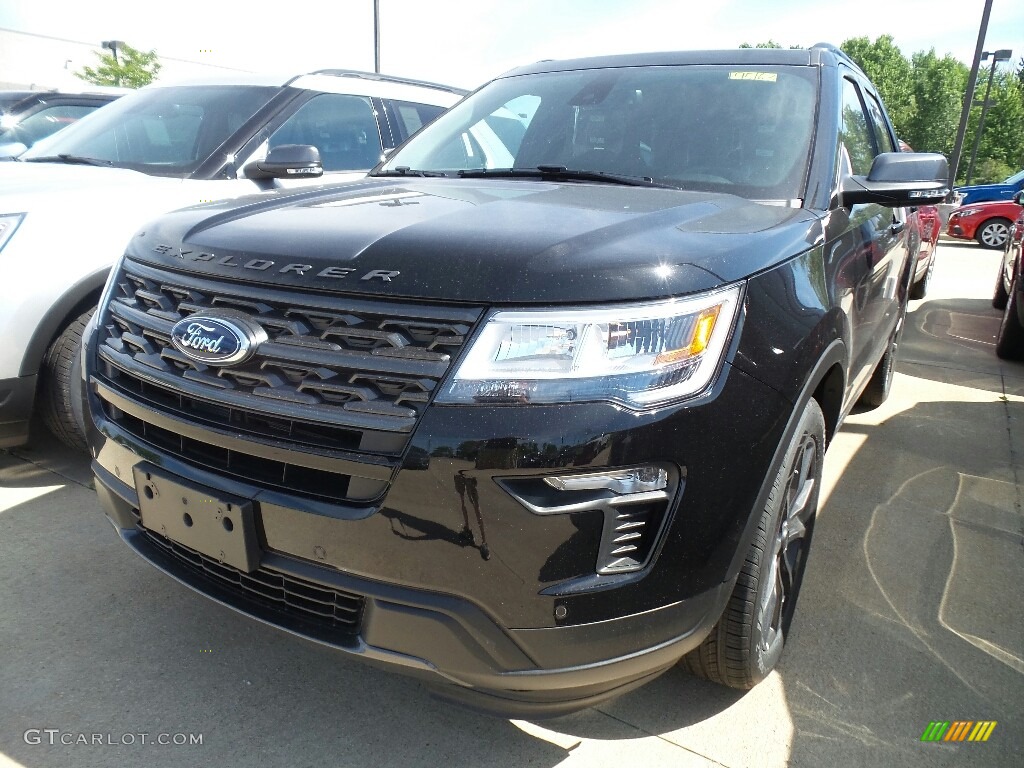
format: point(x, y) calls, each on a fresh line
point(910, 612)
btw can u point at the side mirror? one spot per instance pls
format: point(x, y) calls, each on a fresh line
point(287, 161)
point(1019, 198)
point(900, 179)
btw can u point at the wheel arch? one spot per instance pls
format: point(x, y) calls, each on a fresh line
point(73, 302)
point(826, 383)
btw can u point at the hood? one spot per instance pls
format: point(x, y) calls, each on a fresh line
point(28, 179)
point(984, 187)
point(490, 241)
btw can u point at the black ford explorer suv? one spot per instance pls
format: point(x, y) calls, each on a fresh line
point(541, 407)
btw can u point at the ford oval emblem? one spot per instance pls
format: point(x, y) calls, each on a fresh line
point(216, 340)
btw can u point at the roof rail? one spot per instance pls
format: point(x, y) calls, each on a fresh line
point(389, 79)
point(839, 53)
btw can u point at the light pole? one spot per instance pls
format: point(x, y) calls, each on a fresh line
point(965, 112)
point(376, 36)
point(112, 46)
point(1003, 54)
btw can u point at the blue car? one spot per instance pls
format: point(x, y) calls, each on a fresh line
point(980, 193)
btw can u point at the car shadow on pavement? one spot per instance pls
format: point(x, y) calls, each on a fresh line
point(906, 614)
point(953, 341)
point(51, 455)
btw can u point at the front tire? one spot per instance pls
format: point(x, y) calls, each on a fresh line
point(999, 294)
point(919, 289)
point(880, 384)
point(1010, 339)
point(747, 642)
point(993, 233)
point(61, 387)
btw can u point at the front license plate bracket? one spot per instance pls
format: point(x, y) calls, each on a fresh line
point(218, 525)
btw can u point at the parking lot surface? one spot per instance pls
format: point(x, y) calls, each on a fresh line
point(911, 612)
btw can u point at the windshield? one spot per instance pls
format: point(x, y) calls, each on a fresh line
point(1018, 176)
point(720, 128)
point(160, 131)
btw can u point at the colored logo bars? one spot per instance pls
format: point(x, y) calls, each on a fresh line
point(958, 730)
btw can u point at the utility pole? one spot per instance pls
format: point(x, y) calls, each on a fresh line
point(112, 46)
point(1003, 54)
point(965, 113)
point(376, 36)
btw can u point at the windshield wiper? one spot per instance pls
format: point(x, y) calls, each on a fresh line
point(71, 160)
point(561, 173)
point(404, 170)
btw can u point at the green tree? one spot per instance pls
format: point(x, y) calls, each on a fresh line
point(939, 86)
point(1001, 150)
point(924, 96)
point(887, 67)
point(770, 44)
point(131, 69)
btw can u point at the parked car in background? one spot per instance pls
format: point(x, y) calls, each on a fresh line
point(69, 204)
point(988, 223)
point(981, 193)
point(929, 225)
point(1006, 296)
point(540, 407)
point(28, 116)
point(926, 223)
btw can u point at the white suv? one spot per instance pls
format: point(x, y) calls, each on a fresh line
point(70, 204)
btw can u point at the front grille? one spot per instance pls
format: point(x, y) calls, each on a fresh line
point(338, 611)
point(338, 378)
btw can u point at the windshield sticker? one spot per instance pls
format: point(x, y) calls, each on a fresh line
point(767, 77)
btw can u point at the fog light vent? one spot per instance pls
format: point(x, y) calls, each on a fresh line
point(634, 502)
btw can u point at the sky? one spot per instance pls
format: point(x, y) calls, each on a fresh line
point(467, 42)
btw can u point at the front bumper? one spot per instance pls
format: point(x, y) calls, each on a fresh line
point(491, 604)
point(16, 398)
point(448, 642)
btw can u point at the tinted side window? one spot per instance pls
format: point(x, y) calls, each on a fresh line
point(882, 136)
point(411, 117)
point(856, 135)
point(342, 127)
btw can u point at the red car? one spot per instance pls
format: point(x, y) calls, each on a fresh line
point(926, 222)
point(928, 226)
point(988, 223)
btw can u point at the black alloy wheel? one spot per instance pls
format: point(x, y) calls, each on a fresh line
point(747, 642)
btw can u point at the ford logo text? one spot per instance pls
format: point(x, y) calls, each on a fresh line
point(216, 340)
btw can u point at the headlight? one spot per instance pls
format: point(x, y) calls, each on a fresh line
point(639, 355)
point(966, 212)
point(8, 223)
